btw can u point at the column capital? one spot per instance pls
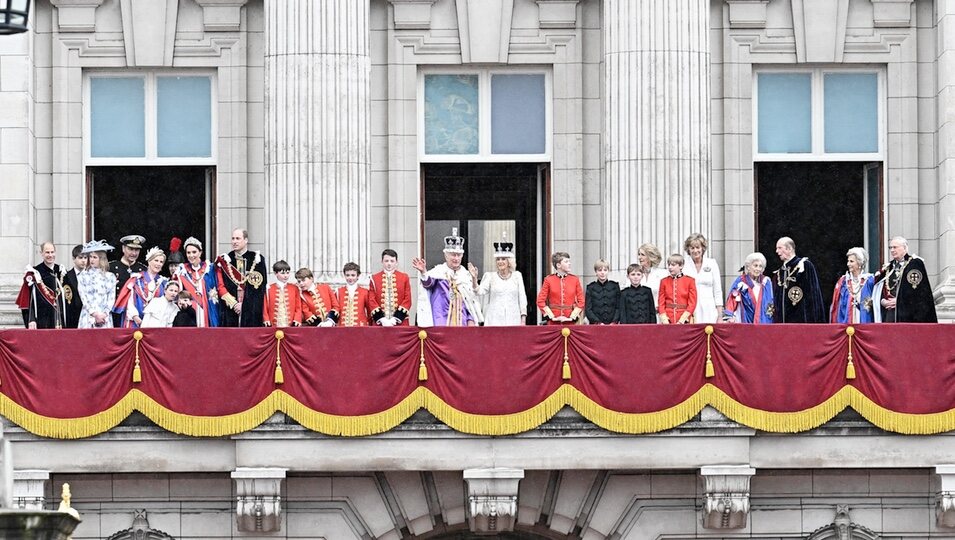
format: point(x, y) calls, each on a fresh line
point(258, 498)
point(492, 494)
point(726, 495)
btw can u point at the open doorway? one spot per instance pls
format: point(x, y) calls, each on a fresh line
point(826, 208)
point(155, 202)
point(484, 200)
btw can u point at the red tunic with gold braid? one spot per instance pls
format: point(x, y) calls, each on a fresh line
point(393, 293)
point(318, 304)
point(677, 299)
point(561, 296)
point(358, 309)
point(283, 306)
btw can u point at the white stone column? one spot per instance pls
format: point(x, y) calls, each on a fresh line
point(656, 115)
point(317, 133)
point(945, 72)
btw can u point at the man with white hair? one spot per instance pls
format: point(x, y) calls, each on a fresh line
point(796, 290)
point(902, 287)
point(446, 296)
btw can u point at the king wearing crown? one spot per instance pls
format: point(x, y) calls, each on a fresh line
point(446, 296)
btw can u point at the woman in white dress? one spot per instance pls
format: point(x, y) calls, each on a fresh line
point(503, 290)
point(649, 257)
point(97, 287)
point(709, 282)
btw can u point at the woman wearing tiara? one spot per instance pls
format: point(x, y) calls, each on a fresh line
point(96, 287)
point(503, 290)
point(198, 277)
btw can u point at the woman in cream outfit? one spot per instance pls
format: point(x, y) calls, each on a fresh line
point(709, 282)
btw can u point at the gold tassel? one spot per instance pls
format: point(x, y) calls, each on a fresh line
point(850, 367)
point(137, 372)
point(565, 372)
point(279, 376)
point(422, 368)
point(710, 371)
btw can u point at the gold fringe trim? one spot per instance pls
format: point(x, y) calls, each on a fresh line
point(500, 424)
point(352, 426)
point(478, 424)
point(635, 423)
point(778, 422)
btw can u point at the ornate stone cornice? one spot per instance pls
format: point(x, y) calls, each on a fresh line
point(29, 489)
point(258, 499)
point(747, 13)
point(945, 498)
point(892, 13)
point(76, 15)
point(492, 495)
point(557, 13)
point(726, 496)
point(412, 14)
point(221, 15)
point(842, 528)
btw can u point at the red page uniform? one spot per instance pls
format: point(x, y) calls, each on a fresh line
point(393, 293)
point(283, 306)
point(677, 299)
point(561, 295)
point(319, 304)
point(358, 306)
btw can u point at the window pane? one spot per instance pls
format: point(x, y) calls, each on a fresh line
point(451, 114)
point(518, 114)
point(184, 116)
point(785, 112)
point(117, 117)
point(851, 112)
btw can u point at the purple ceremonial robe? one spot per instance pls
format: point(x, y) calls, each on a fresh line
point(439, 294)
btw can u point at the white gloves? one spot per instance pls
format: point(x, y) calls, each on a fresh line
point(388, 321)
point(327, 323)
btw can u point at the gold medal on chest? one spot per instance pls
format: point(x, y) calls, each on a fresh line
point(255, 279)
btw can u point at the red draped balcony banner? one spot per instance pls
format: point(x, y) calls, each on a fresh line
point(488, 381)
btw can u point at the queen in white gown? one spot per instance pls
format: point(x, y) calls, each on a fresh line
point(503, 290)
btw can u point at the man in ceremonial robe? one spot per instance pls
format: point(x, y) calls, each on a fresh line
point(902, 288)
point(796, 291)
point(126, 266)
point(241, 276)
point(392, 289)
point(42, 292)
point(561, 298)
point(446, 296)
point(71, 292)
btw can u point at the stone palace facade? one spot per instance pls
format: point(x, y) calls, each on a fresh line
point(332, 129)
